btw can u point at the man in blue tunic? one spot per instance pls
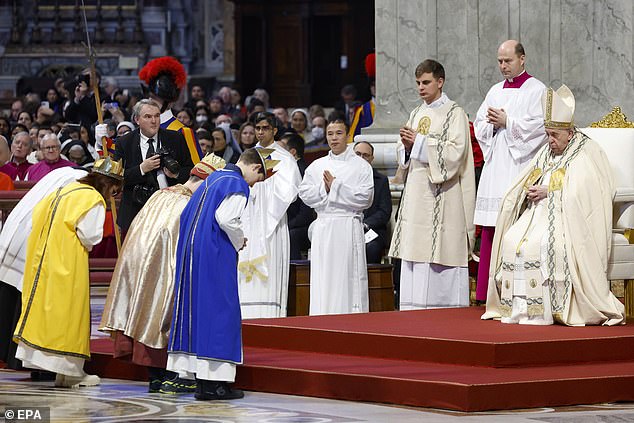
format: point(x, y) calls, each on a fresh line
point(205, 340)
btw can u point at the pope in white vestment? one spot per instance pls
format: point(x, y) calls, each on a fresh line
point(264, 264)
point(553, 233)
point(434, 231)
point(338, 270)
point(509, 128)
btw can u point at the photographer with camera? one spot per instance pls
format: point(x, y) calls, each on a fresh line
point(81, 107)
point(153, 158)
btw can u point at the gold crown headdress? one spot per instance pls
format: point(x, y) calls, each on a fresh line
point(559, 108)
point(107, 166)
point(209, 164)
point(267, 163)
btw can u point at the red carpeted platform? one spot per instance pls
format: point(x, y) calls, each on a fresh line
point(445, 358)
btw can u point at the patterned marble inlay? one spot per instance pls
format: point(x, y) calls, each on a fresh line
point(122, 401)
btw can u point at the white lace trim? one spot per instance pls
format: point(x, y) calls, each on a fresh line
point(488, 204)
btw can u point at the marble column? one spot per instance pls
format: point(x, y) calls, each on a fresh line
point(586, 44)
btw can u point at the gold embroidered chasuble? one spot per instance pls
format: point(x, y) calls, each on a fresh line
point(141, 294)
point(435, 221)
point(55, 314)
point(560, 247)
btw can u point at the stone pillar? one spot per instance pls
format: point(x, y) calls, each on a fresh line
point(586, 44)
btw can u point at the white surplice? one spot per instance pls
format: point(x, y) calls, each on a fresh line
point(263, 265)
point(507, 150)
point(338, 271)
point(17, 228)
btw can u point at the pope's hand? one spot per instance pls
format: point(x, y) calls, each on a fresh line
point(537, 193)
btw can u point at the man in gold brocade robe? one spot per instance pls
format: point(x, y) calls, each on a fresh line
point(552, 240)
point(138, 307)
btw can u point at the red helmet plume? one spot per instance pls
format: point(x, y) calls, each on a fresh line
point(370, 65)
point(164, 65)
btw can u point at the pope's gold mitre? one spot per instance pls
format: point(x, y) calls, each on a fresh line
point(559, 108)
point(210, 163)
point(267, 163)
point(107, 166)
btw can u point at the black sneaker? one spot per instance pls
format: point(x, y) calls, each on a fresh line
point(178, 386)
point(155, 386)
point(212, 390)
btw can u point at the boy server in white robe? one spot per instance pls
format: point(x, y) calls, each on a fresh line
point(433, 235)
point(509, 127)
point(264, 263)
point(339, 187)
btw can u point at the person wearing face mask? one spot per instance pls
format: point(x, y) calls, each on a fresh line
point(317, 133)
point(202, 115)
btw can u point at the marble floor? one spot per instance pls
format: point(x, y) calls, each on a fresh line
point(124, 401)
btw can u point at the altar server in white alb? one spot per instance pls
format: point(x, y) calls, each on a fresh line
point(264, 263)
point(509, 127)
point(552, 237)
point(434, 231)
point(339, 187)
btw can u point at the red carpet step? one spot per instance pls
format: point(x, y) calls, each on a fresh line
point(453, 336)
point(446, 358)
point(423, 384)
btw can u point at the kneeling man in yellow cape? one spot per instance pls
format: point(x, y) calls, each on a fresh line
point(53, 332)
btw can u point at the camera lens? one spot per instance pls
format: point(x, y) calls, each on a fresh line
point(171, 164)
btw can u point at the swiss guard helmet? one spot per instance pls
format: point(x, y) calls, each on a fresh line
point(164, 78)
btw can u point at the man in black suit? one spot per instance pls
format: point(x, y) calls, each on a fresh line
point(378, 215)
point(299, 215)
point(145, 171)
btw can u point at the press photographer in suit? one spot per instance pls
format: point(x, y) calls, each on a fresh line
point(153, 158)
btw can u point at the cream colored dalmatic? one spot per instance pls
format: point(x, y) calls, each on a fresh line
point(434, 230)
